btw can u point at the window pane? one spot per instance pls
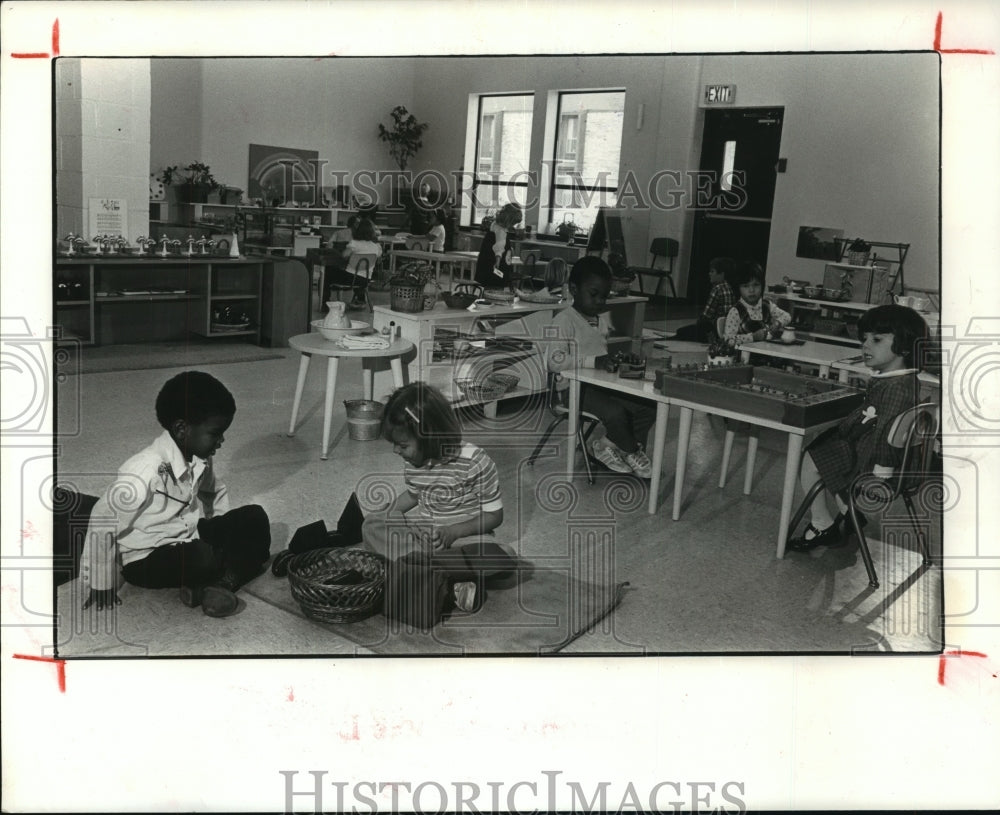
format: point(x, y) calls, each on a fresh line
point(504, 139)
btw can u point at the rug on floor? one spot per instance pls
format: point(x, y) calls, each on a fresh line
point(142, 356)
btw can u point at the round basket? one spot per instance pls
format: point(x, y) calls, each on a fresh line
point(458, 300)
point(407, 297)
point(500, 297)
point(337, 585)
point(488, 388)
point(423, 273)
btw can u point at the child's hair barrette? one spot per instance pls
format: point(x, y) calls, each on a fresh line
point(412, 415)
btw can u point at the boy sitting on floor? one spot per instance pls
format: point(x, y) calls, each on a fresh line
point(720, 300)
point(166, 520)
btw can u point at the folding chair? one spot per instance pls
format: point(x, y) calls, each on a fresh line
point(666, 248)
point(360, 266)
point(560, 413)
point(915, 432)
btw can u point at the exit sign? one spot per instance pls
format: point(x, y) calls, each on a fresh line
point(719, 95)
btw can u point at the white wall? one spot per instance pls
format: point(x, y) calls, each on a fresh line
point(102, 140)
point(861, 137)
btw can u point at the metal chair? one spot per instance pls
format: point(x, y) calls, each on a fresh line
point(560, 413)
point(358, 266)
point(915, 432)
point(668, 249)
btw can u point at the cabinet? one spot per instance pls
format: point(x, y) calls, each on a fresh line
point(110, 300)
point(273, 226)
point(830, 321)
point(439, 336)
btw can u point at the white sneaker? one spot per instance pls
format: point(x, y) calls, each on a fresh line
point(465, 596)
point(640, 463)
point(611, 457)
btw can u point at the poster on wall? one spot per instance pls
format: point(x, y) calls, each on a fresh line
point(819, 243)
point(108, 216)
point(283, 176)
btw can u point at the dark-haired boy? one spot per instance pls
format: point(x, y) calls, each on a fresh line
point(165, 521)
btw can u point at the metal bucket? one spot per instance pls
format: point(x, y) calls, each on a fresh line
point(364, 418)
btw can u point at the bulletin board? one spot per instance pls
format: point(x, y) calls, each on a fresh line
point(607, 233)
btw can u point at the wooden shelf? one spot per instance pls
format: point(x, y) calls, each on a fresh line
point(144, 298)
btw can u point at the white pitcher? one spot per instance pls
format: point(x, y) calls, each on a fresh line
point(903, 300)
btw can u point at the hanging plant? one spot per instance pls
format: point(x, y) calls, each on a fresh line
point(404, 137)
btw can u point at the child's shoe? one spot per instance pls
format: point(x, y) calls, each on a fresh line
point(640, 463)
point(218, 601)
point(467, 596)
point(813, 537)
point(610, 456)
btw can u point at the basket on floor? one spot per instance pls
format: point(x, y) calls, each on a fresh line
point(337, 585)
point(489, 388)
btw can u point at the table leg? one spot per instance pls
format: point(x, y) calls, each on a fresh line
point(659, 438)
point(396, 363)
point(367, 374)
point(744, 357)
point(788, 491)
point(683, 436)
point(842, 376)
point(299, 386)
point(331, 387)
point(824, 371)
point(573, 424)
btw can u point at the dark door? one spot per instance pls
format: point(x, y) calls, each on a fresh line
point(739, 157)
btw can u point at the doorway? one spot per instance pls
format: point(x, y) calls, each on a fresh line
point(739, 158)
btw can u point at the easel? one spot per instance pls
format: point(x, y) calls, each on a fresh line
point(893, 267)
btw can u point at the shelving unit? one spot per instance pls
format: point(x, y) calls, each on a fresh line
point(133, 299)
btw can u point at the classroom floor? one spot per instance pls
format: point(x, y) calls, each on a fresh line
point(708, 583)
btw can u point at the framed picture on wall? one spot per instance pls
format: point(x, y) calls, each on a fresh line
point(819, 243)
point(284, 176)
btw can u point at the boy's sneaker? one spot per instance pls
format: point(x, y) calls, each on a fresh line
point(465, 596)
point(215, 601)
point(640, 463)
point(611, 457)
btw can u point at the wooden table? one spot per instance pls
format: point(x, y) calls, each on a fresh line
point(459, 259)
point(796, 437)
point(314, 343)
point(820, 354)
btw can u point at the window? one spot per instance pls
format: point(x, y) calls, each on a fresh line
point(503, 144)
point(586, 156)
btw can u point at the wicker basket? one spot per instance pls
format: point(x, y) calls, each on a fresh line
point(621, 286)
point(423, 273)
point(858, 258)
point(406, 294)
point(500, 297)
point(337, 585)
point(489, 388)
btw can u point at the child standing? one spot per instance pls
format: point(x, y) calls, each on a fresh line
point(581, 340)
point(493, 267)
point(891, 337)
point(720, 301)
point(753, 318)
point(453, 485)
point(166, 522)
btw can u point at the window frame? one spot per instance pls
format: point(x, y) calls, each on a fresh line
point(492, 181)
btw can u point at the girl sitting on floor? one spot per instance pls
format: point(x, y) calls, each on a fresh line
point(890, 344)
point(452, 485)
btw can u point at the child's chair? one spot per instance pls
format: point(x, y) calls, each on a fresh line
point(560, 413)
point(727, 446)
point(359, 265)
point(915, 432)
point(668, 249)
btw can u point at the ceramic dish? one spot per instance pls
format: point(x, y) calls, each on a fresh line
point(334, 334)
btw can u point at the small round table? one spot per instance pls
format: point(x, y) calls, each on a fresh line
point(314, 343)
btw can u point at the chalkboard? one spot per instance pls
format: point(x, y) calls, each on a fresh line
point(607, 234)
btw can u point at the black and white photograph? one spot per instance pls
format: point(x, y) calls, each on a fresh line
point(355, 380)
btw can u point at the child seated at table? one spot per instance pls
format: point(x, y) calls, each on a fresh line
point(363, 242)
point(753, 318)
point(581, 341)
point(436, 234)
point(165, 520)
point(891, 340)
point(720, 301)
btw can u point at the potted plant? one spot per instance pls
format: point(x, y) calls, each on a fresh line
point(193, 183)
point(404, 137)
point(566, 231)
point(857, 252)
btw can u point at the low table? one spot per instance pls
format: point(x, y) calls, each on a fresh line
point(820, 354)
point(314, 343)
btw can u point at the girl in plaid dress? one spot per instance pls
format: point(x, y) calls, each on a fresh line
point(891, 338)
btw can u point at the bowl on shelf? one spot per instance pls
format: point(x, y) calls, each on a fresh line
point(334, 334)
point(813, 291)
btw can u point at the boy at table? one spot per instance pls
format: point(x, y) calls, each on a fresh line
point(581, 341)
point(720, 300)
point(753, 318)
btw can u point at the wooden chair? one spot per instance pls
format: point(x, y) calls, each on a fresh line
point(753, 438)
point(560, 413)
point(915, 432)
point(532, 268)
point(666, 248)
point(358, 266)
